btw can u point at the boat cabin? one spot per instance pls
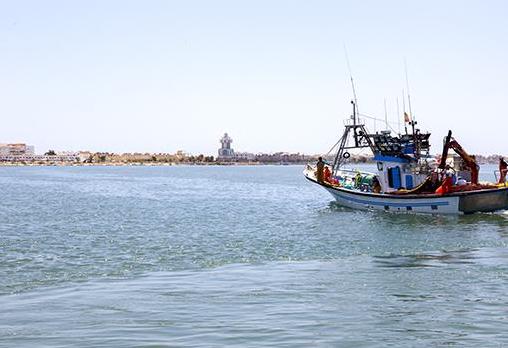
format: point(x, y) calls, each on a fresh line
point(396, 173)
point(397, 164)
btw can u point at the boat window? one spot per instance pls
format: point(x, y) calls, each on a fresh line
point(394, 177)
point(409, 182)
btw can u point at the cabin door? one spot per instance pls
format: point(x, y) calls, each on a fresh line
point(394, 177)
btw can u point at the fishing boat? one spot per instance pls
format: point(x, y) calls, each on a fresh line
point(408, 179)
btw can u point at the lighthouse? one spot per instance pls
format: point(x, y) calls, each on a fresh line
point(226, 151)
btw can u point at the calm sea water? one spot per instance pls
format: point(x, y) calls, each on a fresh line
point(236, 256)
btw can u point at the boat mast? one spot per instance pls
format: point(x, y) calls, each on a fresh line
point(404, 109)
point(354, 121)
point(361, 139)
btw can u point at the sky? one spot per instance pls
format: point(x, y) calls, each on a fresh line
point(162, 76)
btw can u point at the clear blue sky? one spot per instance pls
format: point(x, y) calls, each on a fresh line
point(166, 75)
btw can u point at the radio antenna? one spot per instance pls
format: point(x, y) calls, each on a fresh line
point(398, 114)
point(404, 110)
point(351, 78)
point(408, 94)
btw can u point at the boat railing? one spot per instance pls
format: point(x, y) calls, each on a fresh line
point(351, 122)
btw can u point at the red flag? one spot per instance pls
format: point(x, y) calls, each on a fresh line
point(407, 119)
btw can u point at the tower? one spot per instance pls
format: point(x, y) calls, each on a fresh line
point(226, 151)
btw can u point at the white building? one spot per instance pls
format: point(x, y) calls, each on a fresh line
point(16, 149)
point(26, 153)
point(39, 158)
point(244, 157)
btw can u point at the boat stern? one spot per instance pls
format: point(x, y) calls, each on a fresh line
point(484, 201)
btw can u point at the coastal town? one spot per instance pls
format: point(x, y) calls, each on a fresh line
point(19, 154)
point(22, 154)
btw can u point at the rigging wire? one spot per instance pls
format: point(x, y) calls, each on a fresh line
point(378, 119)
point(334, 146)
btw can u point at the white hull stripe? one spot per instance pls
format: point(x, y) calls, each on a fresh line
point(390, 204)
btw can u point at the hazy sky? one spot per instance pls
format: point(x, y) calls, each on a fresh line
point(167, 75)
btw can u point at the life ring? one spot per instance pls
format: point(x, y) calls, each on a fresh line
point(346, 155)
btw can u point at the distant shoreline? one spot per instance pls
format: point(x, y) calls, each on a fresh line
point(484, 161)
point(145, 164)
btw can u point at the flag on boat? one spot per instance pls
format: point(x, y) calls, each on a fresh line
point(407, 118)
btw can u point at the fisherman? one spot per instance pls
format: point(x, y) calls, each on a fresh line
point(503, 169)
point(320, 166)
point(450, 173)
point(434, 179)
point(358, 179)
point(327, 174)
point(446, 185)
point(376, 186)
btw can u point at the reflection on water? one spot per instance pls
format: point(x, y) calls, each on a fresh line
point(442, 222)
point(427, 260)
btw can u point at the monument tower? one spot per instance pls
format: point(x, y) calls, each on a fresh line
point(226, 151)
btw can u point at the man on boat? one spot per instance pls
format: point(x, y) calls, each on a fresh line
point(376, 185)
point(327, 176)
point(447, 181)
point(503, 169)
point(320, 166)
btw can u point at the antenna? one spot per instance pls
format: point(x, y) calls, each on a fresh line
point(351, 77)
point(398, 115)
point(404, 109)
point(413, 122)
point(408, 95)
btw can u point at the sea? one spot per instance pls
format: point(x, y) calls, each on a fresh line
point(237, 256)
